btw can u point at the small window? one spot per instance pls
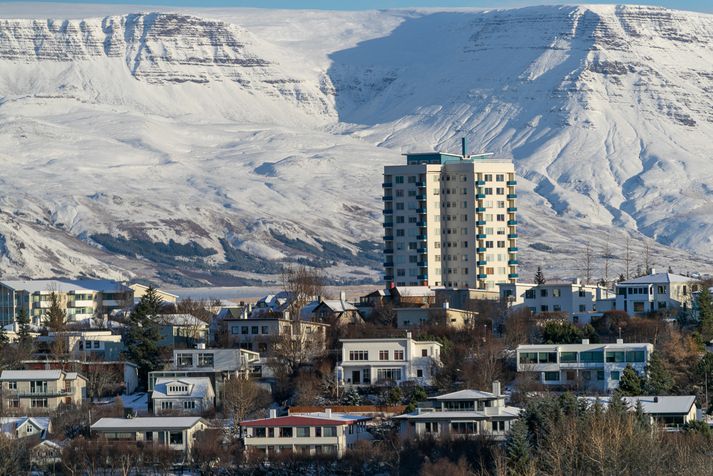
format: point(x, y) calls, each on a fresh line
point(552, 376)
point(383, 355)
point(424, 352)
point(615, 375)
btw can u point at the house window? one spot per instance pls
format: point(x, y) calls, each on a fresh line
point(530, 294)
point(189, 405)
point(543, 292)
point(205, 360)
point(615, 374)
point(12, 385)
point(318, 432)
point(568, 357)
point(244, 330)
point(38, 403)
point(399, 354)
point(264, 330)
point(600, 375)
point(615, 356)
point(259, 432)
point(556, 307)
point(582, 308)
point(544, 308)
point(303, 432)
point(552, 376)
point(383, 355)
point(638, 306)
point(166, 405)
point(556, 292)
point(176, 438)
point(419, 373)
point(388, 375)
point(329, 431)
point(184, 360)
point(424, 352)
point(358, 355)
point(254, 329)
point(498, 425)
point(286, 432)
point(431, 427)
point(464, 427)
point(235, 330)
point(635, 356)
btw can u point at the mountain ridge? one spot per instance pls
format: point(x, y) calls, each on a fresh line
point(228, 137)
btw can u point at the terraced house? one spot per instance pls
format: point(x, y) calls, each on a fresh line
point(593, 366)
point(41, 391)
point(450, 220)
point(82, 299)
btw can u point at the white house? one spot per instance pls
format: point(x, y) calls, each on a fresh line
point(655, 292)
point(388, 360)
point(24, 426)
point(667, 411)
point(570, 298)
point(464, 413)
point(190, 395)
point(176, 433)
point(594, 366)
point(313, 433)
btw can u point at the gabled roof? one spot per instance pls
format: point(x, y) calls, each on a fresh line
point(294, 420)
point(10, 424)
point(336, 305)
point(199, 387)
point(657, 278)
point(31, 375)
point(148, 423)
point(505, 412)
point(347, 417)
point(415, 291)
point(180, 320)
point(464, 395)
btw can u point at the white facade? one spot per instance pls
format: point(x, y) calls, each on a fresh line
point(190, 395)
point(465, 413)
point(309, 434)
point(655, 292)
point(594, 366)
point(389, 360)
point(450, 220)
point(667, 411)
point(568, 298)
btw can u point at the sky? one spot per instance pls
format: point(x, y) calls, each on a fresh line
point(694, 5)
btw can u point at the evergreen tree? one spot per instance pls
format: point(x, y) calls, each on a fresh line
point(4, 340)
point(55, 317)
point(519, 449)
point(642, 419)
point(142, 335)
point(658, 378)
point(617, 405)
point(23, 328)
point(539, 276)
point(621, 278)
point(705, 313)
point(630, 384)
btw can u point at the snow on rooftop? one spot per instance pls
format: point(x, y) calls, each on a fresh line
point(140, 423)
point(65, 285)
point(657, 278)
point(31, 375)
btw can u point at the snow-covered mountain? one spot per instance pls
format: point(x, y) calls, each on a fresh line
point(216, 145)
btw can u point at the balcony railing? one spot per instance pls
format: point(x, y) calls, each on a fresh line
point(44, 394)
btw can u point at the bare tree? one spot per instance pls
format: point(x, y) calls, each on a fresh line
point(241, 398)
point(587, 263)
point(606, 254)
point(303, 285)
point(100, 378)
point(648, 264)
point(295, 347)
point(627, 256)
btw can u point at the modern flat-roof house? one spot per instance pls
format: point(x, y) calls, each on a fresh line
point(585, 365)
point(655, 292)
point(450, 220)
point(41, 391)
point(570, 298)
point(189, 395)
point(177, 433)
point(388, 361)
point(310, 434)
point(181, 331)
point(88, 344)
point(445, 316)
point(24, 426)
point(465, 413)
point(140, 290)
point(665, 410)
point(81, 298)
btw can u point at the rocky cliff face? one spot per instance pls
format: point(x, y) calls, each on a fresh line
point(251, 139)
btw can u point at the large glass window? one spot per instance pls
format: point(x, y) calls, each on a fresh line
point(358, 355)
point(176, 438)
point(552, 376)
point(617, 356)
point(303, 432)
point(528, 357)
point(184, 360)
point(568, 357)
point(547, 357)
point(205, 360)
point(329, 431)
point(635, 356)
point(592, 356)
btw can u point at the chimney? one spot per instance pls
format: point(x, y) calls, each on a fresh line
point(653, 271)
point(408, 334)
point(343, 296)
point(620, 341)
point(446, 305)
point(328, 411)
point(585, 341)
point(656, 399)
point(577, 281)
point(273, 413)
point(496, 388)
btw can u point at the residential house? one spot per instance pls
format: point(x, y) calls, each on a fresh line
point(111, 375)
point(571, 299)
point(82, 299)
point(177, 433)
point(190, 395)
point(664, 410)
point(655, 292)
point(140, 289)
point(388, 361)
point(24, 426)
point(41, 391)
point(337, 312)
point(87, 344)
point(594, 366)
point(46, 454)
point(309, 434)
point(218, 365)
point(445, 316)
point(410, 296)
point(261, 334)
point(465, 413)
point(181, 331)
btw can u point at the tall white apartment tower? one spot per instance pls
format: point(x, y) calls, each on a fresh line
point(450, 220)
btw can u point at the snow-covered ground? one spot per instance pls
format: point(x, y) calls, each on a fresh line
point(246, 124)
